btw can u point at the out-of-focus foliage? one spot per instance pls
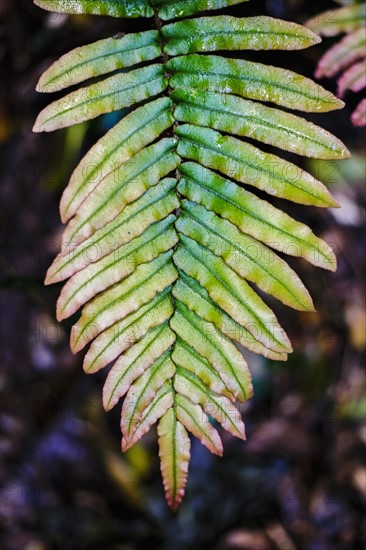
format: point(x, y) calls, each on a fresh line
point(347, 56)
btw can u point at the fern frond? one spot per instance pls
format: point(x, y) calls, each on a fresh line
point(348, 56)
point(165, 248)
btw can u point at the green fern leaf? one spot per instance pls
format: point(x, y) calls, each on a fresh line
point(102, 57)
point(172, 9)
point(174, 452)
point(247, 164)
point(206, 34)
point(251, 119)
point(165, 247)
point(113, 8)
point(162, 402)
point(111, 94)
point(138, 129)
point(250, 80)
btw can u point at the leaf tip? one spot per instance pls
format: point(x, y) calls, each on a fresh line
point(48, 279)
point(174, 501)
point(346, 154)
point(37, 127)
point(314, 37)
point(60, 313)
point(339, 103)
point(125, 444)
point(63, 214)
point(75, 343)
point(109, 400)
point(330, 261)
point(332, 203)
point(40, 86)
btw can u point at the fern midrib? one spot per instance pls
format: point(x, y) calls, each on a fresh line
point(230, 33)
point(174, 444)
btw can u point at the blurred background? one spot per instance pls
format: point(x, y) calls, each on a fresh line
point(299, 482)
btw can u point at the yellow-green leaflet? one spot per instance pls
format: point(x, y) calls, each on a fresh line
point(117, 190)
point(100, 58)
point(172, 9)
point(190, 293)
point(205, 340)
point(217, 406)
point(154, 205)
point(254, 216)
point(111, 94)
point(174, 453)
point(205, 34)
point(113, 8)
point(251, 80)
point(168, 248)
point(136, 130)
point(162, 402)
point(247, 164)
point(234, 115)
point(245, 255)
